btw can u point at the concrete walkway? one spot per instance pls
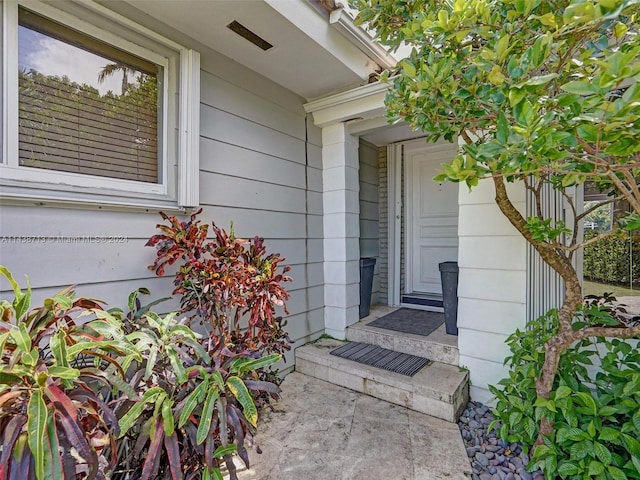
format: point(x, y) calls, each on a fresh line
point(321, 431)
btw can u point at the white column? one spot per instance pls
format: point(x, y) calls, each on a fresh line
point(341, 212)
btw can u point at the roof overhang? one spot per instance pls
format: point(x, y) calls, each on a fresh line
point(309, 56)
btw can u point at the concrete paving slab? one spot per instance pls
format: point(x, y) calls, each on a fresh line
point(321, 431)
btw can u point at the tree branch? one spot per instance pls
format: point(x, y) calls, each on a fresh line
point(611, 332)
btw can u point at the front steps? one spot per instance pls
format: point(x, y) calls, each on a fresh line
point(439, 390)
point(438, 347)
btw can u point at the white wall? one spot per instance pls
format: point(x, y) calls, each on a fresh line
point(492, 284)
point(256, 169)
point(369, 213)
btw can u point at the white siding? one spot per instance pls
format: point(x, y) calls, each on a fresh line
point(492, 284)
point(257, 170)
point(369, 212)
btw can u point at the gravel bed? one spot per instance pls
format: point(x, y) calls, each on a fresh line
point(490, 457)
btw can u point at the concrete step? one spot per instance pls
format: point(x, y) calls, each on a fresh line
point(439, 390)
point(438, 346)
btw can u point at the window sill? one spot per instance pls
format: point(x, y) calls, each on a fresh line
point(82, 201)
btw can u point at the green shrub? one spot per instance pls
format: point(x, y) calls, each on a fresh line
point(614, 259)
point(595, 404)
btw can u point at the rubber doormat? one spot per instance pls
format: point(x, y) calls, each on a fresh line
point(418, 322)
point(379, 357)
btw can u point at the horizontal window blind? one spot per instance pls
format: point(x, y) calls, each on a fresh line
point(72, 127)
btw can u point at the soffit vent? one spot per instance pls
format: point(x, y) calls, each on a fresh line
point(244, 32)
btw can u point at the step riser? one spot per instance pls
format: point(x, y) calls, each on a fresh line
point(388, 386)
point(405, 344)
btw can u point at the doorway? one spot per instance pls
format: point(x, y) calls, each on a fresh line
point(428, 223)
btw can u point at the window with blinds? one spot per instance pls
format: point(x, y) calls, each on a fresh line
point(85, 106)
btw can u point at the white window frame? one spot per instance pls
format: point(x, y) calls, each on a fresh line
point(179, 158)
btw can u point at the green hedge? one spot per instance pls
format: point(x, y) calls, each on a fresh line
point(609, 260)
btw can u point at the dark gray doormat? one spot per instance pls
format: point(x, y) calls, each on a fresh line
point(407, 320)
point(381, 358)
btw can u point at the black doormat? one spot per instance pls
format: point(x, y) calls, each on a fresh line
point(407, 320)
point(381, 358)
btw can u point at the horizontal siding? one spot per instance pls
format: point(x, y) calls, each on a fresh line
point(369, 217)
point(492, 284)
point(261, 167)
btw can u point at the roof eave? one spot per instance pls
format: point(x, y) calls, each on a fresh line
point(342, 22)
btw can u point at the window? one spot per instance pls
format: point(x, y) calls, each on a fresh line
point(88, 112)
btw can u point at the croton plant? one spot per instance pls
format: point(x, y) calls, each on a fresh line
point(87, 392)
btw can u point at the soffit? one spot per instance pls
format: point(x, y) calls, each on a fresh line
point(308, 56)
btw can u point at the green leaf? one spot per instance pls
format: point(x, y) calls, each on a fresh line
point(568, 468)
point(541, 79)
point(239, 390)
point(562, 392)
point(243, 365)
point(192, 401)
point(167, 417)
point(53, 463)
point(501, 46)
point(516, 95)
point(131, 417)
point(636, 422)
point(224, 450)
point(616, 473)
point(212, 473)
point(530, 427)
point(21, 338)
point(632, 444)
point(502, 133)
point(595, 468)
point(608, 434)
point(36, 428)
point(207, 414)
point(409, 68)
point(65, 373)
point(178, 368)
point(582, 88)
point(21, 301)
point(151, 362)
point(581, 449)
point(588, 401)
point(602, 452)
point(574, 434)
point(607, 411)
point(59, 348)
point(217, 378)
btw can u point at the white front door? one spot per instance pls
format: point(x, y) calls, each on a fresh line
point(431, 216)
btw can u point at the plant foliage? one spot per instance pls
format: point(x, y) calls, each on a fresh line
point(54, 423)
point(594, 404)
point(614, 260)
point(195, 405)
point(225, 280)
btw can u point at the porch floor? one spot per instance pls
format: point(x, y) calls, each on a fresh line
point(321, 431)
point(439, 335)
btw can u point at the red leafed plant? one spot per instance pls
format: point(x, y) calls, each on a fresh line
point(229, 282)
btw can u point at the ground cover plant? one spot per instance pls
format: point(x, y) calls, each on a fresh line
point(546, 95)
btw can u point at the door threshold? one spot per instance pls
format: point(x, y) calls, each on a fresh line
point(423, 302)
